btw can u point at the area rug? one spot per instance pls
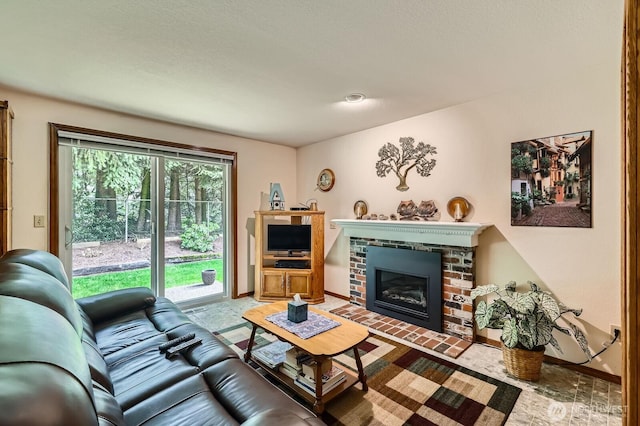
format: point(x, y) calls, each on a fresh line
point(406, 387)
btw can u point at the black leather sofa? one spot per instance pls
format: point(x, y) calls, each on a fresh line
point(95, 361)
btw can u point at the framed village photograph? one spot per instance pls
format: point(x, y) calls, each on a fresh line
point(551, 181)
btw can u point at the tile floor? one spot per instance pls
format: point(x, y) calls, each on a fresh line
point(561, 397)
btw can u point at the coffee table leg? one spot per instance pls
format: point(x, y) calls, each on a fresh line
point(318, 406)
point(361, 376)
point(247, 354)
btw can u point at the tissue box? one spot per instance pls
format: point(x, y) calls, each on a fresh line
point(297, 311)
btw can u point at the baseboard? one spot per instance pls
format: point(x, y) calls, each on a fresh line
point(250, 293)
point(339, 296)
point(562, 363)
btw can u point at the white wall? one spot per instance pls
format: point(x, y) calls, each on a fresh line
point(259, 163)
point(580, 266)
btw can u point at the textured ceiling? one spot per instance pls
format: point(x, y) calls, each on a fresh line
point(277, 70)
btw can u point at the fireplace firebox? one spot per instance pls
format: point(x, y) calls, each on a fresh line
point(406, 285)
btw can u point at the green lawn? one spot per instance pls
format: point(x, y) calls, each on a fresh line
point(175, 275)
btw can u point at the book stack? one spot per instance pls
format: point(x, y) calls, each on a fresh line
point(292, 365)
point(272, 355)
point(332, 378)
point(309, 367)
point(301, 367)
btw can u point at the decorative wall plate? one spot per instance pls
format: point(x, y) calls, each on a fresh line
point(326, 179)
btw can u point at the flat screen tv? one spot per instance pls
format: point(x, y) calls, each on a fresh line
point(289, 238)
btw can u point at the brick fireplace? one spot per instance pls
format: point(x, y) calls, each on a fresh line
point(456, 242)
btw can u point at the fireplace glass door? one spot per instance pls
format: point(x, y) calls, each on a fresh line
point(405, 285)
point(407, 292)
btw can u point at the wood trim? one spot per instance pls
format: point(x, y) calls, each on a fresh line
point(339, 296)
point(103, 133)
point(234, 214)
point(6, 167)
point(630, 304)
point(54, 128)
point(562, 363)
point(54, 203)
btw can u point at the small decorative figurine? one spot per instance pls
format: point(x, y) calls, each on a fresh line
point(407, 210)
point(426, 210)
point(276, 197)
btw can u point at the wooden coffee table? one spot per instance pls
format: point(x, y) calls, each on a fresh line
point(347, 336)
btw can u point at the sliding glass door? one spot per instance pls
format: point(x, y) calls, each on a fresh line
point(193, 235)
point(132, 216)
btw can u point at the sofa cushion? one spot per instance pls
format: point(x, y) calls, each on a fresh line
point(245, 393)
point(39, 287)
point(41, 260)
point(118, 333)
point(187, 403)
point(107, 408)
point(210, 351)
point(141, 370)
point(280, 417)
point(97, 365)
point(43, 372)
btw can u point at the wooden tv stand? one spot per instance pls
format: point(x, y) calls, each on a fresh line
point(307, 278)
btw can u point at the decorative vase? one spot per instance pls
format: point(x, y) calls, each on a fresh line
point(523, 364)
point(209, 276)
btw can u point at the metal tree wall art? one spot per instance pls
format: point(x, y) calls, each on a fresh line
point(401, 160)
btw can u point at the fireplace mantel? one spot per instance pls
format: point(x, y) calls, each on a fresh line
point(461, 234)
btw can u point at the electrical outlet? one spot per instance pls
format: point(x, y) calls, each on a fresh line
point(612, 331)
point(38, 221)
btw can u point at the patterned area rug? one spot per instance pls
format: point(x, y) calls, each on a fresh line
point(406, 387)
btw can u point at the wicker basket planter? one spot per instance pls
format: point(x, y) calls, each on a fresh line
point(522, 363)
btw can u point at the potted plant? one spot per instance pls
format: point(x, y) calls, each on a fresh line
point(527, 320)
point(209, 276)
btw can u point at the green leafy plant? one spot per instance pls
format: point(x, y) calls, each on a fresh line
point(527, 319)
point(199, 236)
point(545, 165)
point(520, 203)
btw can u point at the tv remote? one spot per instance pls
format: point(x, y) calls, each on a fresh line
point(163, 347)
point(181, 347)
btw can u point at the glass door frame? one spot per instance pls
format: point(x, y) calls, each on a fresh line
point(59, 196)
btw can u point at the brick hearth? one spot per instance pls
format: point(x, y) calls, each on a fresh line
point(439, 342)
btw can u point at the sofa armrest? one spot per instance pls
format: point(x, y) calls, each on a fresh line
point(101, 307)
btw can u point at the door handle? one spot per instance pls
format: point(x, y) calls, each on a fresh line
point(68, 237)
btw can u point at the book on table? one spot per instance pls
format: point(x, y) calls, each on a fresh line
point(310, 386)
point(309, 367)
point(295, 357)
point(329, 380)
point(289, 371)
point(273, 354)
